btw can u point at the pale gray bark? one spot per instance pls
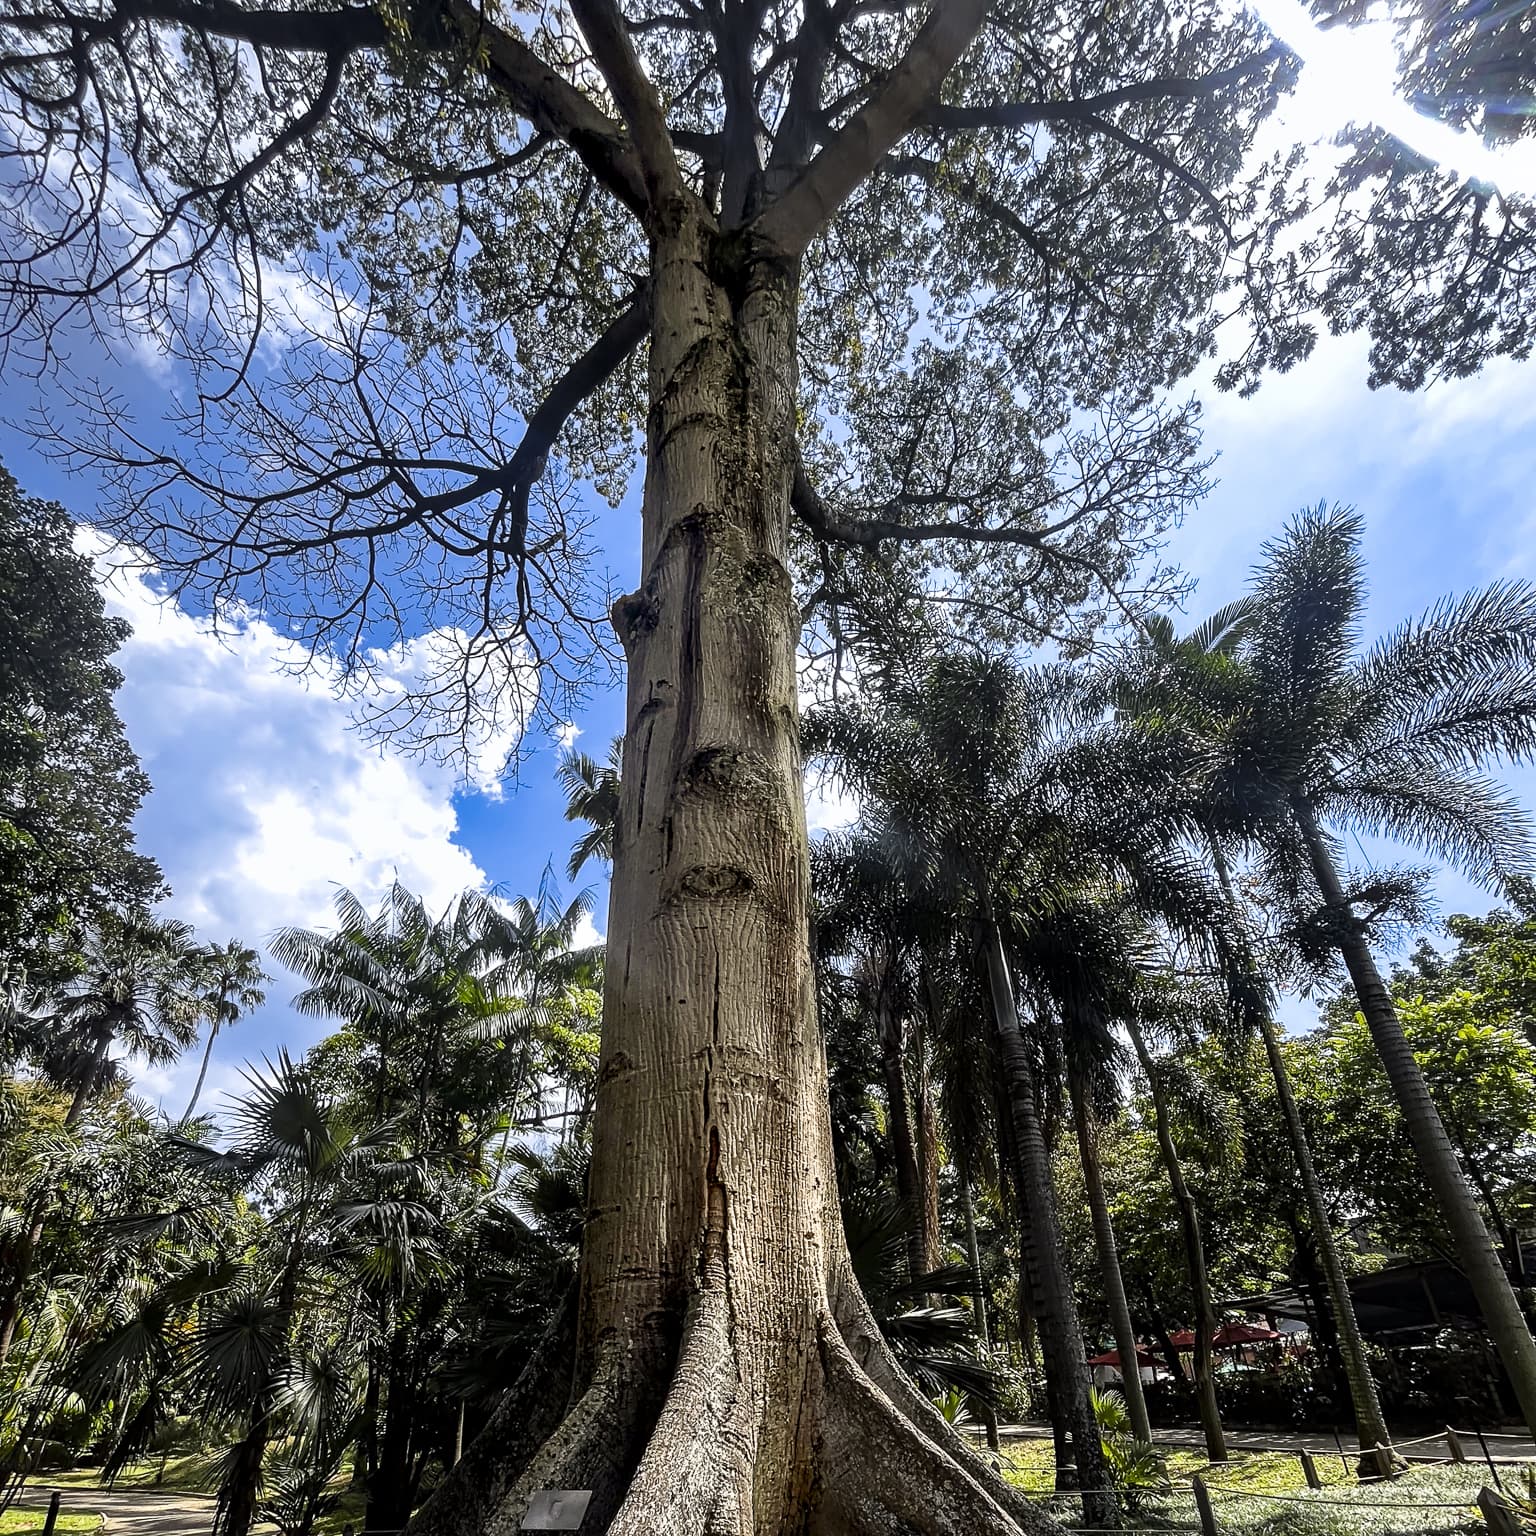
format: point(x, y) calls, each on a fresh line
point(716, 1388)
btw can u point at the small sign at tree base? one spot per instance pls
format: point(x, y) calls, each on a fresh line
point(557, 1509)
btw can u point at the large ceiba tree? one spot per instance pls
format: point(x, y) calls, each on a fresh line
point(894, 291)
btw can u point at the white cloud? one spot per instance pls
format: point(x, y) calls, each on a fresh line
point(828, 806)
point(446, 679)
point(266, 798)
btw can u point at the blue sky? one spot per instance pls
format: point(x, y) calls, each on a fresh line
point(265, 796)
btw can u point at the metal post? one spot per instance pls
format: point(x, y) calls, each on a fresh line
point(1498, 1482)
point(53, 1514)
point(1309, 1467)
point(1208, 1526)
point(1343, 1459)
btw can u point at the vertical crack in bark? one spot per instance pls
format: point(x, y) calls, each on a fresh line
point(645, 768)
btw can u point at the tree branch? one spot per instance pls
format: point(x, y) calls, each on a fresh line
point(602, 24)
point(1025, 114)
point(553, 105)
point(868, 533)
point(830, 179)
point(550, 103)
point(343, 30)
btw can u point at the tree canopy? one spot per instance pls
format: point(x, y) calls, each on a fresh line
point(70, 784)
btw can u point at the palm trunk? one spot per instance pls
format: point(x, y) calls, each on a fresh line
point(727, 1374)
point(1061, 1334)
point(202, 1071)
point(1109, 1260)
point(1475, 1252)
point(978, 1296)
point(925, 1132)
point(241, 1490)
point(904, 1152)
point(1370, 1422)
point(973, 1256)
point(1194, 1253)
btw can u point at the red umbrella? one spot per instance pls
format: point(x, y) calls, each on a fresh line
point(1228, 1336)
point(1112, 1357)
point(1231, 1335)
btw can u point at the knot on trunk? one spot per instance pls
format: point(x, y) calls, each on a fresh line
point(713, 880)
point(633, 617)
point(725, 770)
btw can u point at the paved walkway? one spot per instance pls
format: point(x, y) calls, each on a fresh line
point(1507, 1444)
point(133, 1511)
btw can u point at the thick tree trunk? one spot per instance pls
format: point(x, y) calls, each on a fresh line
point(1109, 1259)
point(726, 1376)
point(1061, 1333)
point(1475, 1252)
point(1194, 1252)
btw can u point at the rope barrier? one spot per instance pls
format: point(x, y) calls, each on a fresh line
point(1302, 1498)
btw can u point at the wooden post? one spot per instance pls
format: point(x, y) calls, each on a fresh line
point(53, 1514)
point(1381, 1459)
point(1208, 1526)
point(1502, 1516)
point(1454, 1445)
point(1309, 1468)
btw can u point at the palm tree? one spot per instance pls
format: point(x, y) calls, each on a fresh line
point(131, 984)
point(869, 933)
point(1318, 739)
point(1008, 794)
point(592, 795)
point(446, 1010)
point(293, 1144)
point(233, 982)
point(1195, 679)
point(1194, 1248)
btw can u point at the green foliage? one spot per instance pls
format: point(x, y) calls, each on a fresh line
point(69, 782)
point(1482, 1077)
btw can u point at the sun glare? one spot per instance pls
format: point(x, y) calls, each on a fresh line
point(1349, 75)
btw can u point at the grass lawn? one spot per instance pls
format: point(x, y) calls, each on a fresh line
point(192, 1472)
point(1267, 1495)
point(29, 1522)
